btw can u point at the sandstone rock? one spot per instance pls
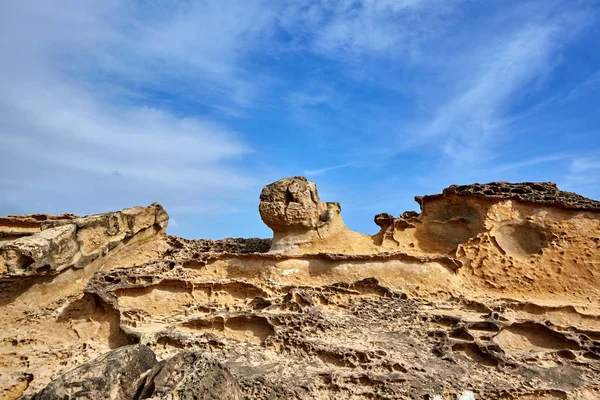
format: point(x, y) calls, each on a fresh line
point(15, 226)
point(194, 247)
point(384, 220)
point(487, 293)
point(293, 204)
point(47, 251)
point(299, 219)
point(541, 193)
point(133, 373)
point(75, 242)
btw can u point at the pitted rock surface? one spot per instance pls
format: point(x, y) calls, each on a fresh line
point(294, 203)
point(193, 248)
point(474, 297)
point(546, 193)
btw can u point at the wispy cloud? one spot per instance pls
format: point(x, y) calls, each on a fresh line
point(585, 164)
point(466, 80)
point(590, 83)
point(472, 122)
point(194, 48)
point(321, 171)
point(583, 174)
point(349, 31)
point(75, 97)
point(106, 104)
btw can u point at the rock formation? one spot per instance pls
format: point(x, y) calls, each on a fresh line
point(133, 372)
point(74, 242)
point(302, 223)
point(16, 226)
point(489, 292)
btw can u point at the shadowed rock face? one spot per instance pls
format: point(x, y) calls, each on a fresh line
point(491, 291)
point(115, 375)
point(133, 373)
point(189, 375)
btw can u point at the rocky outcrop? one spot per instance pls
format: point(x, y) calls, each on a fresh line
point(292, 209)
point(50, 326)
point(15, 226)
point(539, 193)
point(193, 248)
point(115, 376)
point(489, 292)
point(350, 338)
point(189, 375)
point(302, 223)
point(75, 242)
point(544, 239)
point(133, 373)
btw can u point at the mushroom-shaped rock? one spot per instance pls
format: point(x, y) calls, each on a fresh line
point(292, 209)
point(294, 203)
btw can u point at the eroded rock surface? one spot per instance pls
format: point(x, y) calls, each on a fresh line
point(49, 326)
point(75, 242)
point(189, 375)
point(302, 223)
point(544, 193)
point(488, 292)
point(15, 226)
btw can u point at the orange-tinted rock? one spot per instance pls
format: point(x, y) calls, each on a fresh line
point(491, 291)
point(75, 242)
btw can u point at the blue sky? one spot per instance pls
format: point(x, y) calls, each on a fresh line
point(106, 104)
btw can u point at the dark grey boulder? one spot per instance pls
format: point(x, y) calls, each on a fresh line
point(188, 376)
point(114, 375)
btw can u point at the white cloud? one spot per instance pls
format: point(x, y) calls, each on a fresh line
point(465, 79)
point(583, 174)
point(499, 170)
point(585, 164)
point(194, 47)
point(469, 125)
point(462, 81)
point(585, 87)
point(73, 119)
point(468, 120)
point(91, 92)
point(321, 171)
point(351, 30)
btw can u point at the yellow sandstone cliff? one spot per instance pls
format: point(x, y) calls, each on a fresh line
point(490, 292)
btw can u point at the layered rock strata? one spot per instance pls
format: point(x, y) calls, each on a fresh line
point(42, 275)
point(15, 226)
point(490, 292)
point(74, 242)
